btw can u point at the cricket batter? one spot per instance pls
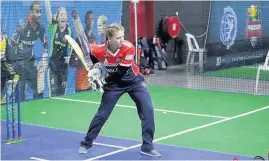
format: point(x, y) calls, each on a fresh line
point(117, 55)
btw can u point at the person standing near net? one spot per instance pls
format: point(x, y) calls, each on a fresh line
point(60, 50)
point(117, 56)
point(101, 25)
point(7, 72)
point(21, 54)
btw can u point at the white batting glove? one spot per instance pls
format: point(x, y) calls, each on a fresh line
point(97, 85)
point(94, 74)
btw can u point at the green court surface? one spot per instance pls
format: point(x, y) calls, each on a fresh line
point(245, 72)
point(176, 110)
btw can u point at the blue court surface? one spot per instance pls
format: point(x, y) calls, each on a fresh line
point(44, 143)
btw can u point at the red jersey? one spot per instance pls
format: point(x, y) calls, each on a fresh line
point(124, 56)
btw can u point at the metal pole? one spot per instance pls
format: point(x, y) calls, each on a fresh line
point(13, 108)
point(7, 111)
point(19, 109)
point(135, 20)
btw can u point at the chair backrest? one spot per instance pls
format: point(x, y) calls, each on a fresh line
point(192, 43)
point(266, 60)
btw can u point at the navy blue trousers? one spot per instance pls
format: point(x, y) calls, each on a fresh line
point(141, 96)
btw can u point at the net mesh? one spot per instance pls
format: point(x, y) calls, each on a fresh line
point(234, 34)
point(236, 46)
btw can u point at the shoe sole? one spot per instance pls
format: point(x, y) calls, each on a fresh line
point(84, 152)
point(149, 154)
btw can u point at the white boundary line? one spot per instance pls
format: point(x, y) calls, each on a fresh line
point(109, 145)
point(113, 137)
point(35, 158)
point(180, 133)
point(134, 107)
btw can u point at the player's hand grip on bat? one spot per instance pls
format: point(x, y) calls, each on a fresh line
point(94, 74)
point(94, 77)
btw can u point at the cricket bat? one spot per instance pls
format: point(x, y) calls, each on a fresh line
point(82, 37)
point(82, 52)
point(81, 57)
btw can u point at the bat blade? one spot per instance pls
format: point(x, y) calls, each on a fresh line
point(78, 51)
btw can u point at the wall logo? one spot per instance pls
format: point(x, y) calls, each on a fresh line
point(254, 25)
point(228, 27)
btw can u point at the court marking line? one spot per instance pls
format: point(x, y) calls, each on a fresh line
point(180, 133)
point(35, 158)
point(134, 107)
point(113, 137)
point(109, 145)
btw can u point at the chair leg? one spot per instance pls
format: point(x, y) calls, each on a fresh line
point(192, 58)
point(201, 60)
point(257, 80)
point(188, 58)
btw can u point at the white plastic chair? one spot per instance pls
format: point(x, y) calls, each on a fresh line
point(193, 49)
point(264, 67)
